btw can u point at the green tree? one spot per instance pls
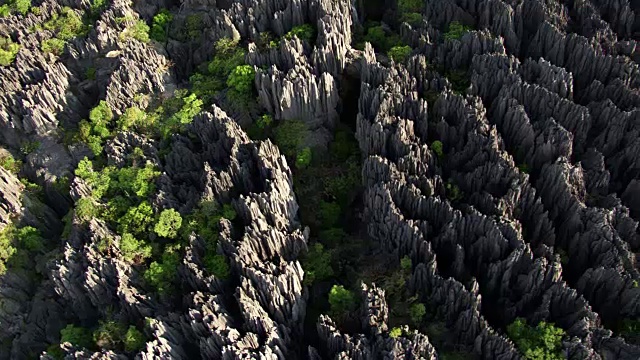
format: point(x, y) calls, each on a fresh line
point(228, 212)
point(453, 191)
point(341, 300)
point(66, 25)
point(241, 79)
point(289, 136)
point(22, 6)
point(456, 30)
point(303, 159)
point(160, 25)
point(9, 163)
point(139, 31)
point(333, 236)
point(304, 32)
point(5, 10)
point(8, 51)
point(131, 117)
point(100, 117)
point(29, 238)
point(77, 336)
point(191, 106)
point(417, 312)
point(377, 37)
point(436, 146)
point(414, 6)
point(217, 265)
point(544, 342)
point(162, 274)
point(109, 335)
point(134, 340)
point(396, 332)
point(134, 250)
point(264, 121)
point(330, 213)
point(7, 248)
point(168, 223)
point(399, 53)
point(137, 219)
point(317, 265)
point(412, 18)
point(86, 209)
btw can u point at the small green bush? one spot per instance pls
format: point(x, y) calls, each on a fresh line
point(303, 159)
point(333, 236)
point(86, 209)
point(160, 25)
point(134, 340)
point(459, 79)
point(330, 213)
point(524, 168)
point(395, 333)
point(228, 212)
point(8, 51)
point(377, 37)
point(436, 146)
point(412, 18)
point(137, 219)
point(162, 274)
point(399, 53)
point(317, 265)
point(5, 10)
point(341, 300)
point(544, 342)
point(456, 30)
point(217, 265)
point(417, 312)
point(7, 248)
point(289, 136)
point(108, 335)
point(100, 117)
point(132, 117)
point(406, 264)
point(304, 32)
point(66, 25)
point(77, 336)
point(55, 351)
point(264, 121)
point(453, 192)
point(241, 81)
point(408, 6)
point(10, 164)
point(22, 6)
point(29, 238)
point(90, 73)
point(191, 106)
point(193, 26)
point(134, 250)
point(168, 223)
point(139, 31)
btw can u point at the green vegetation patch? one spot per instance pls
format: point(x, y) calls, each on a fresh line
point(399, 53)
point(17, 244)
point(342, 301)
point(304, 32)
point(456, 30)
point(542, 342)
point(160, 25)
point(8, 51)
point(19, 6)
point(317, 264)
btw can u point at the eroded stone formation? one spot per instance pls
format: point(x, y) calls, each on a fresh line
point(516, 195)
